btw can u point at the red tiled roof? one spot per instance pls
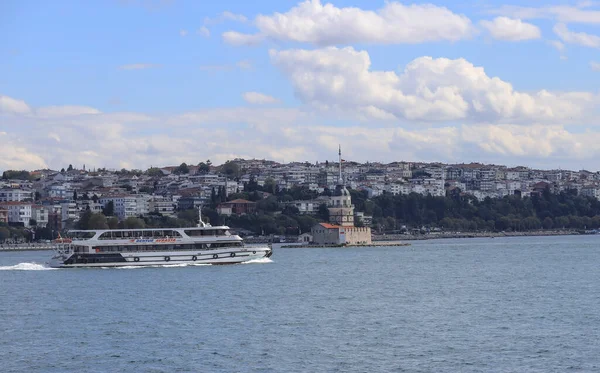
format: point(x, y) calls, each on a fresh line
point(329, 226)
point(239, 200)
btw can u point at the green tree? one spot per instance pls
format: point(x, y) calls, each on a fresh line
point(203, 168)
point(133, 223)
point(154, 171)
point(113, 222)
point(231, 169)
point(17, 175)
point(109, 209)
point(32, 222)
point(44, 233)
point(98, 221)
point(270, 186)
point(74, 195)
point(70, 168)
point(182, 169)
point(84, 220)
point(4, 234)
point(358, 222)
point(323, 212)
point(190, 216)
point(548, 223)
point(269, 204)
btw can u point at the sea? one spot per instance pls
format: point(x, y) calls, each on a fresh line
point(519, 304)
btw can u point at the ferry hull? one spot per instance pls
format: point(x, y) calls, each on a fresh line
point(142, 259)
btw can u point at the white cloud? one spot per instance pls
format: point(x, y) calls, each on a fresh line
point(579, 38)
point(259, 98)
point(558, 45)
point(15, 156)
point(204, 31)
point(566, 14)
point(65, 111)
point(225, 16)
point(234, 17)
point(183, 33)
point(10, 105)
point(504, 28)
point(139, 140)
point(595, 65)
point(325, 24)
point(427, 90)
point(244, 64)
point(237, 38)
point(138, 66)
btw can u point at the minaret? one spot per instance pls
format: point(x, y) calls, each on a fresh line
point(340, 180)
point(341, 210)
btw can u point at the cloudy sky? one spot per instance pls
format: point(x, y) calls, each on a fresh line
point(136, 83)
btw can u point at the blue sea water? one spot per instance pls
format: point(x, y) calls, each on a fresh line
point(470, 305)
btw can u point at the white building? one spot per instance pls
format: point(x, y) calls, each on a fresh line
point(23, 212)
point(591, 191)
point(40, 215)
point(125, 206)
point(69, 211)
point(306, 207)
point(142, 204)
point(18, 212)
point(162, 205)
point(15, 195)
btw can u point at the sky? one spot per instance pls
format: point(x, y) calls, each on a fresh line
point(141, 83)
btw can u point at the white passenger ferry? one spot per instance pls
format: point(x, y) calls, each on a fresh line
point(203, 244)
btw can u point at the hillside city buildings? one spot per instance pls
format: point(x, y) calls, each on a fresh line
point(49, 200)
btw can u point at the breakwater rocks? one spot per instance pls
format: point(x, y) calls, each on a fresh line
point(432, 236)
point(26, 246)
point(374, 244)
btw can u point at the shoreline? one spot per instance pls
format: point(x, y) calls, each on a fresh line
point(26, 247)
point(435, 236)
point(400, 240)
point(378, 240)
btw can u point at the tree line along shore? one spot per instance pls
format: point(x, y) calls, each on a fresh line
point(391, 214)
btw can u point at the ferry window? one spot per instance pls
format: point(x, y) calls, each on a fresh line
point(136, 234)
point(157, 233)
point(81, 235)
point(126, 234)
point(193, 233)
point(105, 236)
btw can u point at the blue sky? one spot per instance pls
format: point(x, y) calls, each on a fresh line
point(146, 82)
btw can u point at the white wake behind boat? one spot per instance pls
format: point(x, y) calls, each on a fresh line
point(203, 244)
